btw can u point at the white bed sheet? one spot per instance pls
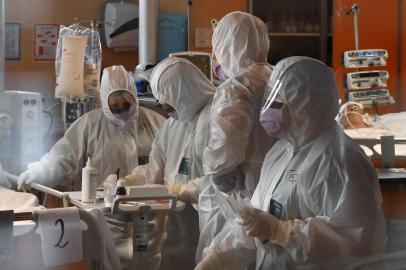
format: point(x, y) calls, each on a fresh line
point(388, 124)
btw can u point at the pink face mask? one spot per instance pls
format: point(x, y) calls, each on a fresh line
point(174, 115)
point(219, 73)
point(271, 121)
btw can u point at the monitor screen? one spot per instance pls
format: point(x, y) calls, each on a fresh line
point(200, 60)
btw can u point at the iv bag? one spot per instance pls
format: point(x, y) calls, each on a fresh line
point(92, 59)
point(70, 79)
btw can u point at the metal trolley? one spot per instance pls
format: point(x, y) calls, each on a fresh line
point(138, 210)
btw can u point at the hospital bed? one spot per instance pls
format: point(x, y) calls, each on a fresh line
point(390, 153)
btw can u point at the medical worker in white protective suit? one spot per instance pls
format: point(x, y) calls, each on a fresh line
point(176, 156)
point(318, 198)
point(119, 135)
point(238, 143)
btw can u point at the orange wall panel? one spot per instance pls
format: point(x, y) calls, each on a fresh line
point(202, 11)
point(378, 23)
point(402, 90)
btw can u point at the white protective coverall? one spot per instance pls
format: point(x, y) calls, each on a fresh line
point(176, 155)
point(240, 44)
point(314, 176)
point(111, 142)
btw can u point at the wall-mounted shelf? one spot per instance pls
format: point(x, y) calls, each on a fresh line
point(281, 34)
point(296, 27)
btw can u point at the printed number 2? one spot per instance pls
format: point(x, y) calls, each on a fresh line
point(62, 233)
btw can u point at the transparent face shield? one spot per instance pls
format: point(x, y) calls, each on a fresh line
point(272, 99)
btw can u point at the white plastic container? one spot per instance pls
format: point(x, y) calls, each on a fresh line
point(89, 183)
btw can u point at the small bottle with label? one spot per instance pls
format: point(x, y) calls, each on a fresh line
point(121, 191)
point(89, 183)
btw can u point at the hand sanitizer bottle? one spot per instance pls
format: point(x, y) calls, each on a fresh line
point(89, 183)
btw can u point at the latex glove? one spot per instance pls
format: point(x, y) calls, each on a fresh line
point(34, 175)
point(24, 180)
point(185, 192)
point(135, 179)
point(228, 181)
point(211, 262)
point(265, 226)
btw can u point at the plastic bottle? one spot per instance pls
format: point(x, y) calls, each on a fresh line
point(109, 191)
point(89, 183)
point(121, 191)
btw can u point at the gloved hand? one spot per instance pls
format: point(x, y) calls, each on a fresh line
point(211, 262)
point(24, 180)
point(265, 226)
point(185, 192)
point(228, 181)
point(135, 179)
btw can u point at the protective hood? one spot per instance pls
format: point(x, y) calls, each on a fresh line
point(308, 88)
point(182, 85)
point(117, 78)
point(239, 41)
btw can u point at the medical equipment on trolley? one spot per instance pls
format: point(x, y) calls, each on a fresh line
point(149, 190)
point(139, 207)
point(53, 239)
point(365, 58)
point(366, 79)
point(23, 144)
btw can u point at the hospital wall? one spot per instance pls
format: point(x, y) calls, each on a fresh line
point(201, 14)
point(29, 75)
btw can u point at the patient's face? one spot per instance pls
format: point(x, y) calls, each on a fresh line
point(354, 115)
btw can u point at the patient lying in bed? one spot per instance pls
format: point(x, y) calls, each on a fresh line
point(359, 125)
